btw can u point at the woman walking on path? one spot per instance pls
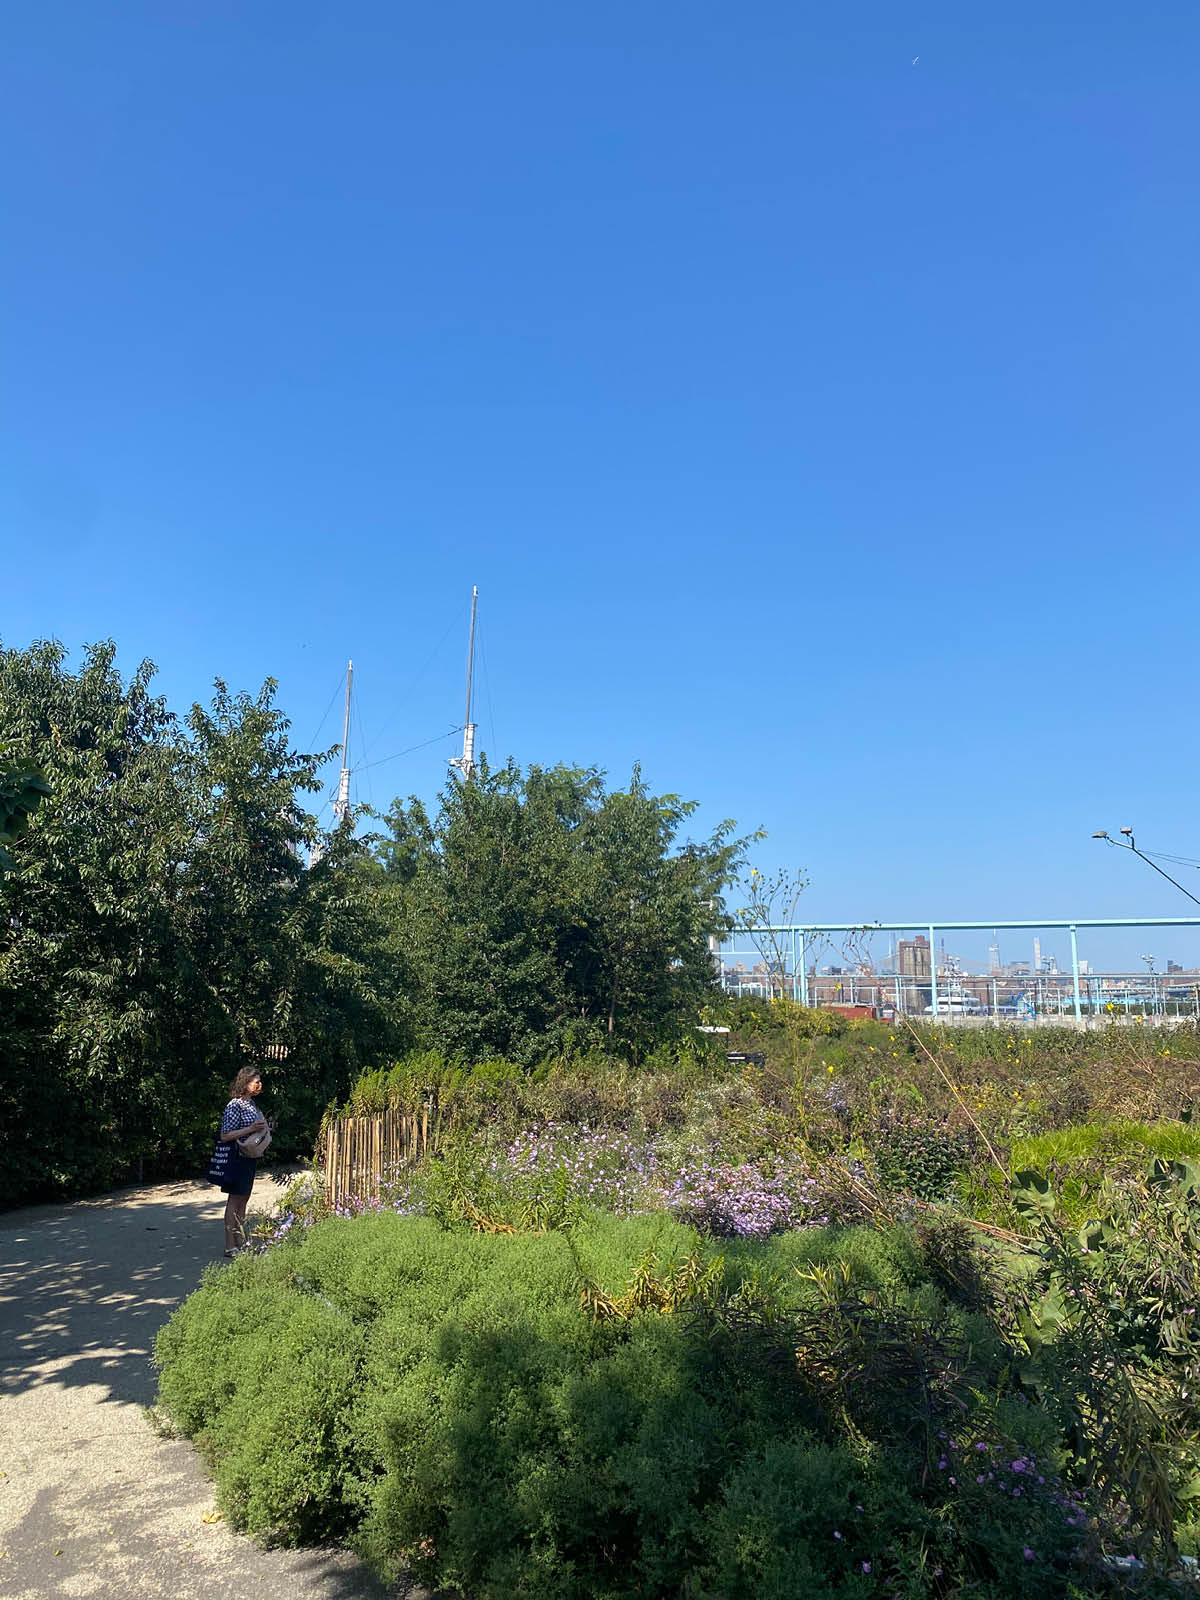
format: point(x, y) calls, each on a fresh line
point(231, 1168)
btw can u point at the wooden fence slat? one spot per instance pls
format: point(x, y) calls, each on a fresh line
point(361, 1153)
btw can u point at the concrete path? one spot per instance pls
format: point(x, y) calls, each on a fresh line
point(92, 1502)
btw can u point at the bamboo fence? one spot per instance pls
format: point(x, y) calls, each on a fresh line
point(362, 1152)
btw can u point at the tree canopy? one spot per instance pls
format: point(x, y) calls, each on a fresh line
point(20, 795)
point(160, 926)
point(544, 912)
point(158, 930)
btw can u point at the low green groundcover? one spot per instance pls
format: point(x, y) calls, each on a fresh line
point(816, 1422)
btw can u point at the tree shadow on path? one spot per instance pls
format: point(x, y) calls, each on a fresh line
point(84, 1288)
point(93, 1502)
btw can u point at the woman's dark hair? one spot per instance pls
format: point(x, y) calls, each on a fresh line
point(243, 1081)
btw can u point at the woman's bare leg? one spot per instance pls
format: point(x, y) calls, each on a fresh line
point(235, 1222)
point(241, 1201)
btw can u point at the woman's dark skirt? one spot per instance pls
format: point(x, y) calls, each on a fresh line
point(241, 1174)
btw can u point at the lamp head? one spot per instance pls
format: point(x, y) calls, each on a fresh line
point(1128, 832)
point(1100, 835)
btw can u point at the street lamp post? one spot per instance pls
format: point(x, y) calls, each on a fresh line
point(1149, 960)
point(1127, 843)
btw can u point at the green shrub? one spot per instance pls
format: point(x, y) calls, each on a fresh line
point(1107, 1141)
point(826, 1080)
point(1081, 1161)
point(264, 1375)
point(1106, 1323)
point(448, 1400)
point(920, 1156)
point(793, 1520)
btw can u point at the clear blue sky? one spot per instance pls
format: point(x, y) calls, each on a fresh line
point(819, 428)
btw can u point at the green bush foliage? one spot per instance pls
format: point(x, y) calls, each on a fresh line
point(159, 929)
point(270, 1400)
point(625, 1412)
point(156, 932)
point(921, 1157)
point(546, 912)
point(922, 1104)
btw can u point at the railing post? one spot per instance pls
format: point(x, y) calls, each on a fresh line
point(933, 994)
point(1075, 975)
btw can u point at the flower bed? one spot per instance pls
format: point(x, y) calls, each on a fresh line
point(630, 1413)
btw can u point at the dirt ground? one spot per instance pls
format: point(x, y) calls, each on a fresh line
point(92, 1501)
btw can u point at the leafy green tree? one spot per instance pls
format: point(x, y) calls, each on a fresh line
point(346, 1006)
point(84, 918)
point(545, 912)
point(161, 929)
point(20, 795)
point(476, 913)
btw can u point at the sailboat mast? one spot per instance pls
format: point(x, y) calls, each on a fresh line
point(467, 723)
point(341, 805)
point(466, 762)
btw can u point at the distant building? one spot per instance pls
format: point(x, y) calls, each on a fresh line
point(915, 970)
point(912, 959)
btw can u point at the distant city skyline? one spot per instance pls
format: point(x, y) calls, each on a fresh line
point(904, 982)
point(1100, 951)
